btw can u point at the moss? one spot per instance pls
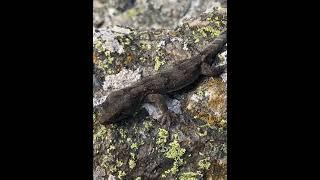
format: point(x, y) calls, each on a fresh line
point(189, 176)
point(162, 137)
point(204, 164)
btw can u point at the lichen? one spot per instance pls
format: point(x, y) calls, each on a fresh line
point(100, 133)
point(147, 125)
point(204, 164)
point(122, 133)
point(162, 137)
point(175, 152)
point(204, 31)
point(132, 163)
point(201, 134)
point(121, 174)
point(158, 63)
point(189, 176)
point(134, 146)
point(119, 163)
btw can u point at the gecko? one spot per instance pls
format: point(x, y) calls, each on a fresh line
point(121, 104)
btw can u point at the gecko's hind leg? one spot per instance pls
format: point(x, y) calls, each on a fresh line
point(207, 70)
point(160, 103)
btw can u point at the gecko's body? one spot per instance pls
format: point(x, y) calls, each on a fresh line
point(123, 103)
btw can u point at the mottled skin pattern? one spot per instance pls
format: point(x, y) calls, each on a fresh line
point(123, 103)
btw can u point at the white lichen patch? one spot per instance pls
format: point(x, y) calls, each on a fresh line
point(99, 173)
point(173, 106)
point(161, 44)
point(185, 46)
point(173, 39)
point(105, 40)
point(98, 99)
point(124, 78)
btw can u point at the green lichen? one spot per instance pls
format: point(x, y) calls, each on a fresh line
point(201, 134)
point(111, 147)
point(175, 152)
point(98, 46)
point(119, 163)
point(132, 163)
point(121, 174)
point(162, 137)
point(200, 93)
point(158, 63)
point(189, 176)
point(134, 146)
point(129, 140)
point(204, 31)
point(147, 125)
point(133, 156)
point(196, 37)
point(122, 133)
point(110, 71)
point(145, 45)
point(204, 164)
point(127, 41)
point(133, 12)
point(100, 133)
point(142, 59)
point(113, 168)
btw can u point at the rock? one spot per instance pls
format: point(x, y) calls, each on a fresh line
point(140, 148)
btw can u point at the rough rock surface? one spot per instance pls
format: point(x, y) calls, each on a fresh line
point(195, 147)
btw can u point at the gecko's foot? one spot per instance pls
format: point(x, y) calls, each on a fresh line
point(167, 119)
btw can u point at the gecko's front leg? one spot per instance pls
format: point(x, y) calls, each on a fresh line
point(160, 103)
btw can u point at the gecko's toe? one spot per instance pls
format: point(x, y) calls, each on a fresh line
point(167, 119)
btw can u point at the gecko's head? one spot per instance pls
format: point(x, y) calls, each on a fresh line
point(116, 108)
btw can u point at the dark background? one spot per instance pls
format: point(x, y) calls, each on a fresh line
point(47, 90)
